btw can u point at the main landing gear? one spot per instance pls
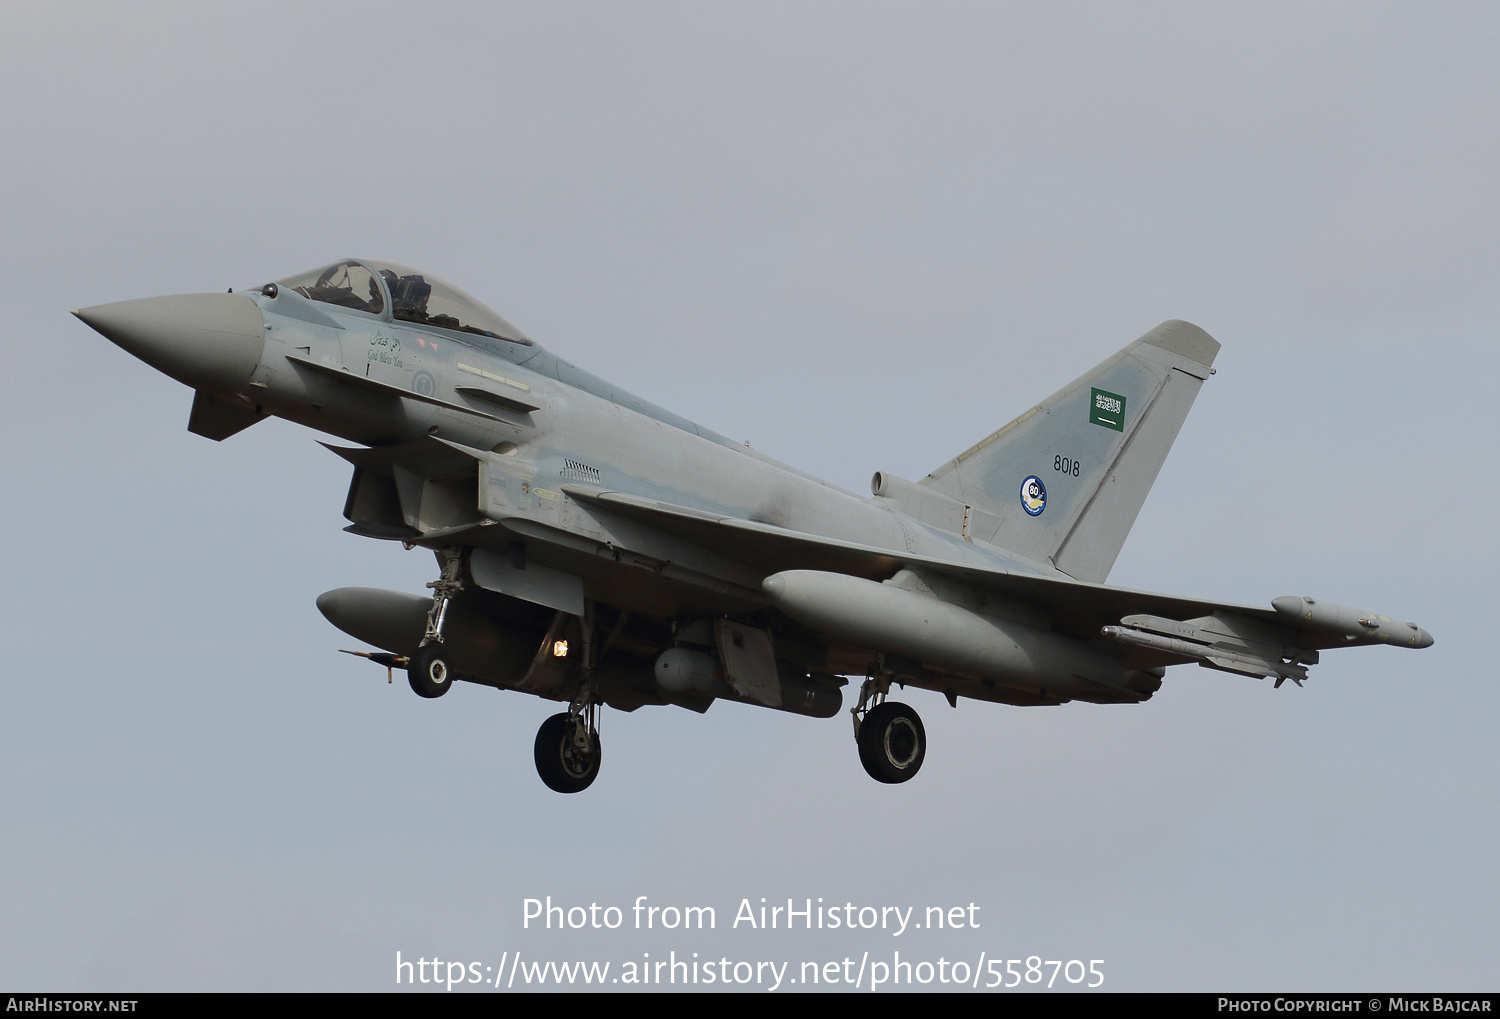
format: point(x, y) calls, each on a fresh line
point(892, 741)
point(567, 751)
point(567, 745)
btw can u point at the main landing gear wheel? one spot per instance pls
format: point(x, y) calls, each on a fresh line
point(429, 671)
point(567, 754)
point(892, 742)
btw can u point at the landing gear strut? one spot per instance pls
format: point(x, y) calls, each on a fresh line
point(892, 741)
point(430, 670)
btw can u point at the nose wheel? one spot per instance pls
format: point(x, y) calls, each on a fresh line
point(429, 671)
point(567, 752)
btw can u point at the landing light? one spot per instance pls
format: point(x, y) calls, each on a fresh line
point(560, 649)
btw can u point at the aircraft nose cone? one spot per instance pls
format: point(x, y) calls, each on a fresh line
point(208, 341)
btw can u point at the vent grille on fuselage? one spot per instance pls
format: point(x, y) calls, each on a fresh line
point(580, 471)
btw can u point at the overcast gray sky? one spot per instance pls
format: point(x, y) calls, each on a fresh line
point(860, 236)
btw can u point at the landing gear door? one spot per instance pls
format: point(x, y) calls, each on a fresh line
point(749, 661)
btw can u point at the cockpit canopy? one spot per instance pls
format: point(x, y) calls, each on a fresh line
point(401, 293)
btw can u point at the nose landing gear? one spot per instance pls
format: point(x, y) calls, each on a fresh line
point(430, 670)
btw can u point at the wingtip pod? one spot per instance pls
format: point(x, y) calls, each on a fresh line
point(1353, 623)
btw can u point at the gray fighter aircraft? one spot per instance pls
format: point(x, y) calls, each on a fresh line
point(595, 549)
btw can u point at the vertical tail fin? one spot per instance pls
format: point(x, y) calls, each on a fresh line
point(1066, 479)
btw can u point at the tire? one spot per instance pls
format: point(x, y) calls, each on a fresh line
point(429, 671)
point(562, 768)
point(892, 742)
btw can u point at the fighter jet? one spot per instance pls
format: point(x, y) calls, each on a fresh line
point(595, 549)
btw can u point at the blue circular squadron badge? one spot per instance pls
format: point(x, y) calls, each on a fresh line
point(1033, 495)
